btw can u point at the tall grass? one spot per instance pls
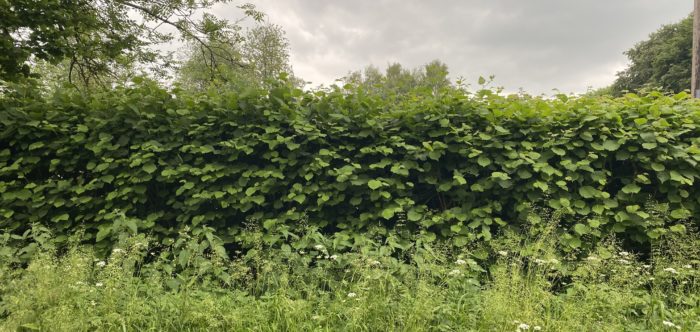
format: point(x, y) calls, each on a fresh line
point(523, 285)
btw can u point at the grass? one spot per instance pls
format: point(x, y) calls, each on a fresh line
point(521, 286)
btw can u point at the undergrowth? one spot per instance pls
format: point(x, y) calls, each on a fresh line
point(524, 283)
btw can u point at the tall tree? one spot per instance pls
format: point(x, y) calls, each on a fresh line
point(261, 54)
point(661, 62)
point(398, 80)
point(97, 36)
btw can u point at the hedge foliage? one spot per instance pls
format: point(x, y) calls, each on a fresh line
point(456, 166)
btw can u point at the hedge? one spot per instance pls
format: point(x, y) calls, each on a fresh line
point(456, 166)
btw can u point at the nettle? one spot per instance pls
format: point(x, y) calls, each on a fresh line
point(454, 166)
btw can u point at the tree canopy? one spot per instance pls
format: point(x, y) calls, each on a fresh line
point(95, 37)
point(661, 62)
point(398, 80)
point(261, 55)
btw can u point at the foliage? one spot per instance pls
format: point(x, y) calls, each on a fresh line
point(399, 82)
point(528, 284)
point(661, 62)
point(97, 37)
point(261, 56)
point(454, 166)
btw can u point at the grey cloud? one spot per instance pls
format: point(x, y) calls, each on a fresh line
point(536, 45)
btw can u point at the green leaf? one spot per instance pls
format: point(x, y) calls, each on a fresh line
point(611, 145)
point(150, 168)
point(388, 213)
point(587, 192)
point(374, 184)
point(413, 215)
point(631, 188)
point(680, 214)
point(678, 228)
point(483, 161)
point(581, 229)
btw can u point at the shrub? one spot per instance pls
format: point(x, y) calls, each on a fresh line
point(456, 166)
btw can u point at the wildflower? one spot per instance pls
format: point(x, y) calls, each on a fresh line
point(592, 258)
point(537, 328)
point(539, 261)
point(670, 270)
point(99, 284)
point(79, 283)
point(523, 327)
point(647, 266)
point(351, 294)
point(503, 253)
point(318, 247)
point(454, 272)
point(117, 251)
point(101, 264)
point(553, 261)
point(93, 303)
point(623, 261)
point(460, 262)
point(671, 325)
point(687, 266)
point(652, 279)
point(301, 252)
point(375, 263)
point(315, 317)
point(624, 253)
point(326, 257)
point(333, 257)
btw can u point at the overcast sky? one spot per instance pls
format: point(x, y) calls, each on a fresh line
point(536, 45)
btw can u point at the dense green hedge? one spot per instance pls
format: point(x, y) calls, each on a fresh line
point(456, 166)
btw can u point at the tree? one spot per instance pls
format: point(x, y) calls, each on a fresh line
point(661, 62)
point(95, 37)
point(399, 81)
point(260, 55)
point(435, 76)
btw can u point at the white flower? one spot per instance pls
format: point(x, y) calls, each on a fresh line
point(671, 325)
point(687, 266)
point(623, 261)
point(553, 261)
point(460, 262)
point(647, 266)
point(333, 257)
point(537, 328)
point(101, 264)
point(670, 270)
point(503, 253)
point(592, 258)
point(93, 303)
point(454, 272)
point(117, 251)
point(326, 257)
point(523, 327)
point(301, 252)
point(539, 261)
point(652, 279)
point(352, 294)
point(318, 247)
point(99, 284)
point(79, 283)
point(315, 317)
point(624, 253)
point(375, 263)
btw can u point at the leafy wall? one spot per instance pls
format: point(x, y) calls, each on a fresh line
point(455, 166)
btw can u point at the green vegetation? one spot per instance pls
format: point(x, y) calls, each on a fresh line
point(661, 62)
point(235, 201)
point(453, 166)
point(527, 284)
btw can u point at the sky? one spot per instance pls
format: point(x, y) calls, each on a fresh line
point(533, 45)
